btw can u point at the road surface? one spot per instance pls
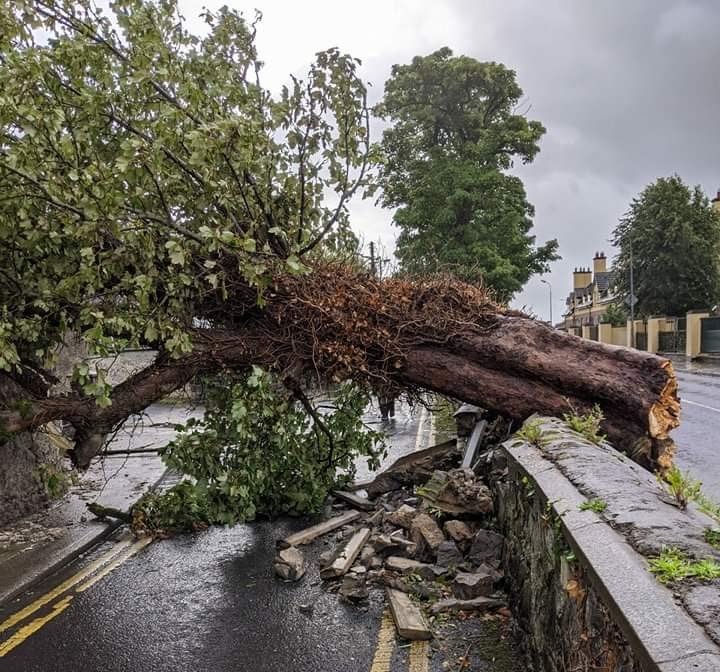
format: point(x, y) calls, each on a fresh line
point(209, 602)
point(697, 436)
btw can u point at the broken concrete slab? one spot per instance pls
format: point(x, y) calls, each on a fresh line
point(346, 558)
point(386, 545)
point(289, 564)
point(414, 469)
point(402, 565)
point(458, 491)
point(356, 501)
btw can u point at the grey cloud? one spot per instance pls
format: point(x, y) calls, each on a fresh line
point(629, 91)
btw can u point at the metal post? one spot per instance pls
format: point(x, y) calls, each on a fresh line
point(373, 270)
point(550, 288)
point(632, 299)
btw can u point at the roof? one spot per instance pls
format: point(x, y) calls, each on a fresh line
point(604, 280)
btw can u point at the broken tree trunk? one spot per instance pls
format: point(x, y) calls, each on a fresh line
point(439, 335)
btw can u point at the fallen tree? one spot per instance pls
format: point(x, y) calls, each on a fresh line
point(334, 324)
point(155, 195)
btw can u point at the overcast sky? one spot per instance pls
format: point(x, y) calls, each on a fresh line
point(628, 91)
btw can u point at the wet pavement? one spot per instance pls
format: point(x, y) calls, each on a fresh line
point(35, 546)
point(697, 437)
point(210, 601)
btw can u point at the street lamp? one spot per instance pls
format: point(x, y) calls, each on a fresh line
point(550, 288)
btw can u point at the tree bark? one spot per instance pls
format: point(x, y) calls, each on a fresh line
point(439, 336)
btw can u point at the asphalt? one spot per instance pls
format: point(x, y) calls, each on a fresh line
point(697, 436)
point(209, 601)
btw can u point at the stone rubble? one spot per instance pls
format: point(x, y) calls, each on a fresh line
point(433, 546)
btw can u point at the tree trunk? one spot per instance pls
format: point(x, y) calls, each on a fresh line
point(437, 335)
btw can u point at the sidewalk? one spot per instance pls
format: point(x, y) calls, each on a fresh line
point(706, 365)
point(39, 545)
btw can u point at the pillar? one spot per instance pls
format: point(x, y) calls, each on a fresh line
point(605, 333)
point(694, 333)
point(653, 333)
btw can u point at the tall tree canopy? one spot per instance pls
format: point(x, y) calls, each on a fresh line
point(155, 194)
point(672, 236)
point(455, 131)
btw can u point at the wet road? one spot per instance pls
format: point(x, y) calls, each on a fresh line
point(210, 602)
point(698, 437)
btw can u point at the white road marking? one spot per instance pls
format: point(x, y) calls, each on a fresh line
point(697, 403)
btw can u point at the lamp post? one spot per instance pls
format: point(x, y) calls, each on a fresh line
point(550, 288)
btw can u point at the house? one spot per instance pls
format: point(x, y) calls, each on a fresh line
point(591, 295)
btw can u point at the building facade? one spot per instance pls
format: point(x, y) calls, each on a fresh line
point(591, 294)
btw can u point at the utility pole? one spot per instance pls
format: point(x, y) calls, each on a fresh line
point(632, 298)
point(550, 288)
point(376, 262)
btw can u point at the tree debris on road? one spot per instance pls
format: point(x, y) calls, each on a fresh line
point(427, 542)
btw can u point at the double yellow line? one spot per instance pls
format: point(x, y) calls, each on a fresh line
point(77, 583)
point(382, 660)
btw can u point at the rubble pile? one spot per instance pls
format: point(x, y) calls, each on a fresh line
point(429, 541)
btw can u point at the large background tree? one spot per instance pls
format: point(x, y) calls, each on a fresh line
point(154, 194)
point(455, 132)
point(672, 236)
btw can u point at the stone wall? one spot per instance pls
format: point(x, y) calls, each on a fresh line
point(21, 457)
point(561, 617)
point(580, 585)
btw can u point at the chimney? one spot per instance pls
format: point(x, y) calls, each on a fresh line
point(581, 278)
point(599, 263)
point(716, 202)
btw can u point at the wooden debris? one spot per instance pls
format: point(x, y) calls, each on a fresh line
point(474, 444)
point(346, 558)
point(307, 535)
point(409, 620)
point(414, 469)
point(356, 501)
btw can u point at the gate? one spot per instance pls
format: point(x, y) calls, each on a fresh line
point(641, 341)
point(710, 334)
point(675, 340)
point(593, 332)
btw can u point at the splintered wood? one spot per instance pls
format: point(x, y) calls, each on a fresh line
point(345, 560)
point(307, 535)
point(409, 620)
